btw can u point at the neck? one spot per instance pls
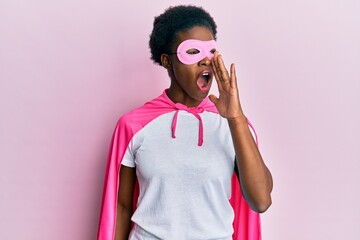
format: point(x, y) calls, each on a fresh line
point(178, 95)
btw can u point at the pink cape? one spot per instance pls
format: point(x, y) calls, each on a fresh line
point(246, 223)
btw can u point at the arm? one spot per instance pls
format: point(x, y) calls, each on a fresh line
point(125, 202)
point(255, 178)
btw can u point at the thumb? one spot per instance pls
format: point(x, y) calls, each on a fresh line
point(213, 99)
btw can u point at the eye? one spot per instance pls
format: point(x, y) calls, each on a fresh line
point(192, 51)
point(213, 50)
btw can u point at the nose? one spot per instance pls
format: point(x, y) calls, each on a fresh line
point(205, 61)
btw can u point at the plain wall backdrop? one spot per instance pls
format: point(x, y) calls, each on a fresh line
point(69, 69)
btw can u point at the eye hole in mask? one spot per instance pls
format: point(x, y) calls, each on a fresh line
point(196, 51)
point(192, 50)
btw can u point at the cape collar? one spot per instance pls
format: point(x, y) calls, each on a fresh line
point(205, 105)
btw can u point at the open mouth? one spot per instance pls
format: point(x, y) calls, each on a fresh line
point(204, 80)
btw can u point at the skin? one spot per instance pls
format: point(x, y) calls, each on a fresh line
point(183, 88)
point(125, 202)
point(255, 178)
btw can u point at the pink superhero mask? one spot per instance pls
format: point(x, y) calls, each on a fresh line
point(192, 51)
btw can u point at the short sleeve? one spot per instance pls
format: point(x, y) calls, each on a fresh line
point(253, 132)
point(129, 159)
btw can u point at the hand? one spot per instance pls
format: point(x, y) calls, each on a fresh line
point(228, 103)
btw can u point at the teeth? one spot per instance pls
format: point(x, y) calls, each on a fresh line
point(205, 74)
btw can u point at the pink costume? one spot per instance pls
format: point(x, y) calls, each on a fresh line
point(246, 222)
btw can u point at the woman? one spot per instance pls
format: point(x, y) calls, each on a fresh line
point(173, 162)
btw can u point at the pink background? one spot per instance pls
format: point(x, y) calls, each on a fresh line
point(69, 69)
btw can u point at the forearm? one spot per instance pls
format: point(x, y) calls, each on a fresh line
point(255, 177)
point(123, 223)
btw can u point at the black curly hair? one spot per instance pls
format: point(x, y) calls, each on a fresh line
point(173, 20)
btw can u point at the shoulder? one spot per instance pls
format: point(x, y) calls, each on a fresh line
point(132, 120)
point(139, 117)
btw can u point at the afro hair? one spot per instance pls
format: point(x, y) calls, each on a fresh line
point(173, 20)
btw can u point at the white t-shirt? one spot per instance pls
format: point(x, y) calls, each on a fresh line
point(184, 188)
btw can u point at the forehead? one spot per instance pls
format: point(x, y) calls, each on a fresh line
point(197, 32)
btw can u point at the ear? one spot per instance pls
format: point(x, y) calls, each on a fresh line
point(165, 61)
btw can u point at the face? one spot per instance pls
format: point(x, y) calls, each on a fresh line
point(190, 68)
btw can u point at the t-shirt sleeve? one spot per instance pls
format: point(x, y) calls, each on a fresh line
point(252, 133)
point(129, 158)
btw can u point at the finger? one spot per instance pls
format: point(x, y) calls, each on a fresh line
point(233, 79)
point(214, 63)
point(218, 81)
point(223, 71)
point(215, 72)
point(217, 65)
point(213, 99)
